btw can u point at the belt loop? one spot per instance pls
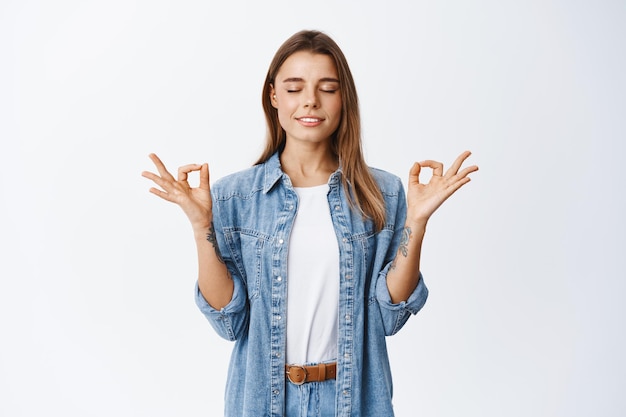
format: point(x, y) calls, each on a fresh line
point(322, 371)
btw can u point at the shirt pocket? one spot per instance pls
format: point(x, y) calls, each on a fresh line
point(247, 253)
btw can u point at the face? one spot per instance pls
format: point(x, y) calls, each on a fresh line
point(306, 93)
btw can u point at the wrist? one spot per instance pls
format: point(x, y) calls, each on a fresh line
point(200, 235)
point(201, 231)
point(416, 225)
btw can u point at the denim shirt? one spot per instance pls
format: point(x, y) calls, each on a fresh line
point(253, 213)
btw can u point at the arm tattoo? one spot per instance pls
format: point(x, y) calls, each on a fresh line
point(404, 243)
point(213, 240)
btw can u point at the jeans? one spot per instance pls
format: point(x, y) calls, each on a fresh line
point(312, 399)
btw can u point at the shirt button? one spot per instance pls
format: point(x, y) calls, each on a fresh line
point(278, 354)
point(278, 317)
point(345, 392)
point(348, 276)
point(276, 392)
point(279, 279)
point(344, 240)
point(346, 355)
point(280, 241)
point(347, 317)
point(337, 208)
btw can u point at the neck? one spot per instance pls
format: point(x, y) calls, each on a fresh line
point(308, 166)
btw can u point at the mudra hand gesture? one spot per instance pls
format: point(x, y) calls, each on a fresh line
point(424, 199)
point(195, 202)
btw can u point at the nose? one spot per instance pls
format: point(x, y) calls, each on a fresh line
point(311, 100)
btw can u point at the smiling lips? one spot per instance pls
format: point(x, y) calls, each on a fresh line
point(309, 121)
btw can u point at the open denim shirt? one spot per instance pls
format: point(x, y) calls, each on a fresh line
point(253, 212)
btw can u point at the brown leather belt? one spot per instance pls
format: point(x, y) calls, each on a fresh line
point(315, 373)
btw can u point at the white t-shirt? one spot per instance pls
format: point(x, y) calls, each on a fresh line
point(312, 281)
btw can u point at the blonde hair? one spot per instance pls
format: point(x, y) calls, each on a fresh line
point(361, 188)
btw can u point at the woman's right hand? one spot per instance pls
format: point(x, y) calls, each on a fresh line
point(195, 202)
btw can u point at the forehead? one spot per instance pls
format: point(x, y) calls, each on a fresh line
point(308, 66)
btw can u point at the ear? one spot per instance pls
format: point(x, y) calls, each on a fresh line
point(273, 96)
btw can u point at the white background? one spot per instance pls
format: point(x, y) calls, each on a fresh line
point(525, 264)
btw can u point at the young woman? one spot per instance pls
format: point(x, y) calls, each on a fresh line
point(308, 259)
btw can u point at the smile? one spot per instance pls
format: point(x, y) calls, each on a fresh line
point(310, 120)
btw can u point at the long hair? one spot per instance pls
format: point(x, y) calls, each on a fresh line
point(361, 188)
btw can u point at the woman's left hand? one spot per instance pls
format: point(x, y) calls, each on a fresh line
point(424, 199)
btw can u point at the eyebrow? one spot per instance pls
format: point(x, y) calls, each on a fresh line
point(300, 80)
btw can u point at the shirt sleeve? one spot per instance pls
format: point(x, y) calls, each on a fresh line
point(232, 320)
point(395, 315)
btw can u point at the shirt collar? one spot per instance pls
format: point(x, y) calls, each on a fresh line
point(273, 172)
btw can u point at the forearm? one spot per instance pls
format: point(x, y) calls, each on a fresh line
point(214, 280)
point(404, 273)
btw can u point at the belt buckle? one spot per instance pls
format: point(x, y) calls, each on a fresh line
point(303, 371)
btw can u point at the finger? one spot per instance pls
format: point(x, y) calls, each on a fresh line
point(436, 166)
point(453, 188)
point(156, 179)
point(185, 170)
point(204, 176)
point(456, 165)
point(162, 194)
point(466, 171)
point(161, 167)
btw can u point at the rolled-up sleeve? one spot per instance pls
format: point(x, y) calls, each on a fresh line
point(395, 315)
point(230, 321)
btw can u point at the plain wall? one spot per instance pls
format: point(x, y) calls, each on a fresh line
point(525, 265)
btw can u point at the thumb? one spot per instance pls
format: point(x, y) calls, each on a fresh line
point(414, 173)
point(204, 176)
